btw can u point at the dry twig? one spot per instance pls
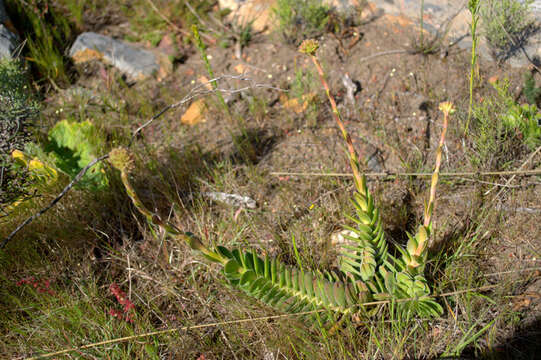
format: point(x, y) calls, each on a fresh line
point(532, 155)
point(414, 174)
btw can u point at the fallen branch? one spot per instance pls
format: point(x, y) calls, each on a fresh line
point(414, 174)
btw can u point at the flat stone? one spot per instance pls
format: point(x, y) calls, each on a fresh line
point(195, 113)
point(203, 80)
point(340, 238)
point(297, 105)
point(8, 38)
point(137, 63)
point(240, 68)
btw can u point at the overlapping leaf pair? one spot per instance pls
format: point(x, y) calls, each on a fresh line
point(387, 277)
point(286, 288)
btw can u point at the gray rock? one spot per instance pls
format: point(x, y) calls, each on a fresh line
point(531, 54)
point(8, 40)
point(231, 199)
point(136, 63)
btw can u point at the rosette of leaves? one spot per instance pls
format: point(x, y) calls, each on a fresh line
point(18, 108)
point(527, 119)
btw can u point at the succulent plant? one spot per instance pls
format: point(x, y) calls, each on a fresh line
point(369, 273)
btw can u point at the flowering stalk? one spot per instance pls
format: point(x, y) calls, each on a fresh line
point(447, 109)
point(310, 47)
point(371, 248)
point(415, 256)
point(123, 161)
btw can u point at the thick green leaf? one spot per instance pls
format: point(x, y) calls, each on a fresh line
point(74, 145)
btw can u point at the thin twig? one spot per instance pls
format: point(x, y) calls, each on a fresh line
point(241, 321)
point(129, 277)
point(56, 199)
point(513, 271)
point(383, 53)
point(498, 184)
point(532, 155)
point(414, 174)
point(520, 209)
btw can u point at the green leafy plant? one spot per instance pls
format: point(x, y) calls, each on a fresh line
point(203, 51)
point(301, 19)
point(368, 271)
point(18, 107)
point(507, 24)
point(500, 126)
point(531, 91)
point(73, 145)
point(526, 119)
point(47, 32)
point(522, 120)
